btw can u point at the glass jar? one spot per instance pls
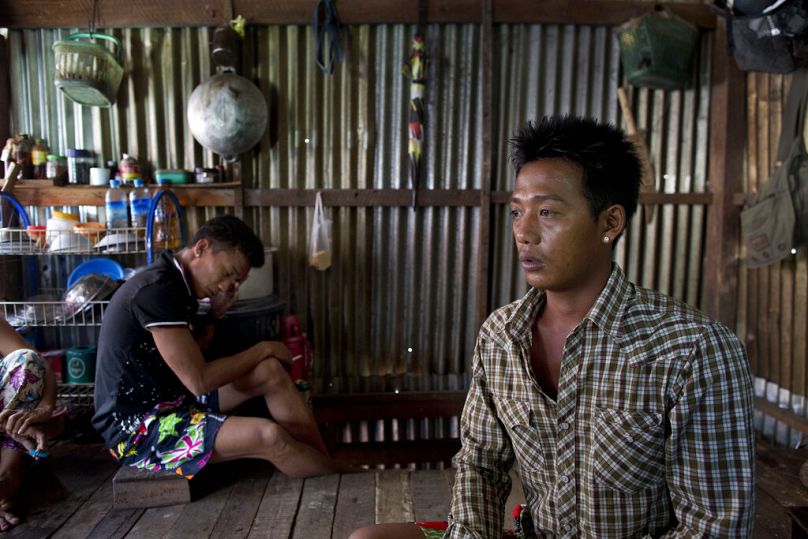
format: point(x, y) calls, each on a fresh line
point(22, 156)
point(56, 169)
point(39, 158)
point(79, 163)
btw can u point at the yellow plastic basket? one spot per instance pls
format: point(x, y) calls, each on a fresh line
point(88, 72)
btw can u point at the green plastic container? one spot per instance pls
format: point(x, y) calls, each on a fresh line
point(657, 50)
point(80, 365)
point(172, 176)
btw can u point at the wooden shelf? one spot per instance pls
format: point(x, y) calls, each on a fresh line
point(44, 193)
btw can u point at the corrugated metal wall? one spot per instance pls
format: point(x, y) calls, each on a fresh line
point(773, 300)
point(553, 69)
point(396, 310)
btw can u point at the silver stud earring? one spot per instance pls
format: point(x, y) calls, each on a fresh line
point(605, 239)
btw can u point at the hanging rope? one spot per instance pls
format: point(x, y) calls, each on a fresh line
point(327, 29)
point(93, 17)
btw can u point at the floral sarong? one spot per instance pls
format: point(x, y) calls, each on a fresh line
point(175, 436)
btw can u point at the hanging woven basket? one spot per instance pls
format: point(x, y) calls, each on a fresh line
point(88, 72)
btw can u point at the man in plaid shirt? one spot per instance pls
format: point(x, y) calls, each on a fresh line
point(628, 413)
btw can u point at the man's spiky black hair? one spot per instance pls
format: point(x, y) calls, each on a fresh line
point(612, 169)
point(227, 232)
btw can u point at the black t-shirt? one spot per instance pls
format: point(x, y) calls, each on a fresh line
point(131, 377)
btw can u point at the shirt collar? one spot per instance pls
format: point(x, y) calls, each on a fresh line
point(606, 312)
point(182, 272)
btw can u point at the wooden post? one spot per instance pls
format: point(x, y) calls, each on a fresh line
point(484, 246)
point(727, 122)
point(5, 95)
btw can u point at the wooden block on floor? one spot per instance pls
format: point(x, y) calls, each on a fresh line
point(797, 522)
point(132, 488)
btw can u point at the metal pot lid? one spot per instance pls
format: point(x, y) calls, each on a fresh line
point(227, 114)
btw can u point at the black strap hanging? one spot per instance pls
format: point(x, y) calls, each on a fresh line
point(327, 29)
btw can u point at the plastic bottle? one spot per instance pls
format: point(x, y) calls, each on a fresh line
point(39, 157)
point(129, 169)
point(167, 232)
point(300, 348)
point(116, 205)
point(139, 202)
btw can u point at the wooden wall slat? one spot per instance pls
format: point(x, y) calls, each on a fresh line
point(773, 300)
point(57, 13)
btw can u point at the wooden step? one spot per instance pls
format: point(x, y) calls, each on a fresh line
point(132, 488)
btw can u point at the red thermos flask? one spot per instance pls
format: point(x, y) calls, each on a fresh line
point(299, 347)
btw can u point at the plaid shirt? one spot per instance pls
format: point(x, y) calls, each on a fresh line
point(651, 433)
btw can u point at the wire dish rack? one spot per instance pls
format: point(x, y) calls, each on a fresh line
point(53, 313)
point(77, 398)
point(37, 240)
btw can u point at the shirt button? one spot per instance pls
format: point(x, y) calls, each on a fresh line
point(564, 479)
point(567, 527)
point(564, 425)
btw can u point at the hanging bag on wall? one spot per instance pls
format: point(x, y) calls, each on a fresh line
point(320, 241)
point(771, 38)
point(778, 221)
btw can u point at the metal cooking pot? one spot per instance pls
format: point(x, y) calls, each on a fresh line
point(227, 114)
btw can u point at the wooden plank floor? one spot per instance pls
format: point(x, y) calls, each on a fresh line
point(70, 496)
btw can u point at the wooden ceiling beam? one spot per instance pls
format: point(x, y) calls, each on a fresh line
point(151, 13)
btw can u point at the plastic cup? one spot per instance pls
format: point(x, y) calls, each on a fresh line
point(99, 176)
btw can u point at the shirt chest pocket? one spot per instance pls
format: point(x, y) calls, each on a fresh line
point(629, 449)
point(524, 434)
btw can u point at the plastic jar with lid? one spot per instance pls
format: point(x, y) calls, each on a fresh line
point(60, 227)
point(129, 169)
point(79, 163)
point(206, 175)
point(56, 169)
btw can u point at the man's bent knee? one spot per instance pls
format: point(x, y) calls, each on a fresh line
point(274, 439)
point(271, 374)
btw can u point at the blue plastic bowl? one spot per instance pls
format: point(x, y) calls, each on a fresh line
point(101, 266)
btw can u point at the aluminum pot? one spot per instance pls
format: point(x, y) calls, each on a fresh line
point(259, 282)
point(227, 114)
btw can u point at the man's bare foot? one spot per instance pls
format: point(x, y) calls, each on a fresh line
point(10, 482)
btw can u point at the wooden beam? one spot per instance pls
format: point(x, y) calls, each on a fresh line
point(43, 193)
point(593, 12)
point(396, 452)
point(686, 199)
point(370, 406)
point(5, 93)
point(126, 13)
point(482, 299)
point(781, 414)
point(727, 124)
point(362, 197)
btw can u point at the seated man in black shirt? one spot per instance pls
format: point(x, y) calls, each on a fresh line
point(160, 406)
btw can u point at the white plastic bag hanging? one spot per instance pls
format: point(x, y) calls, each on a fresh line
point(320, 243)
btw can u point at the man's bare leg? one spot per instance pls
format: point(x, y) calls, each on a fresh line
point(287, 406)
point(254, 437)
